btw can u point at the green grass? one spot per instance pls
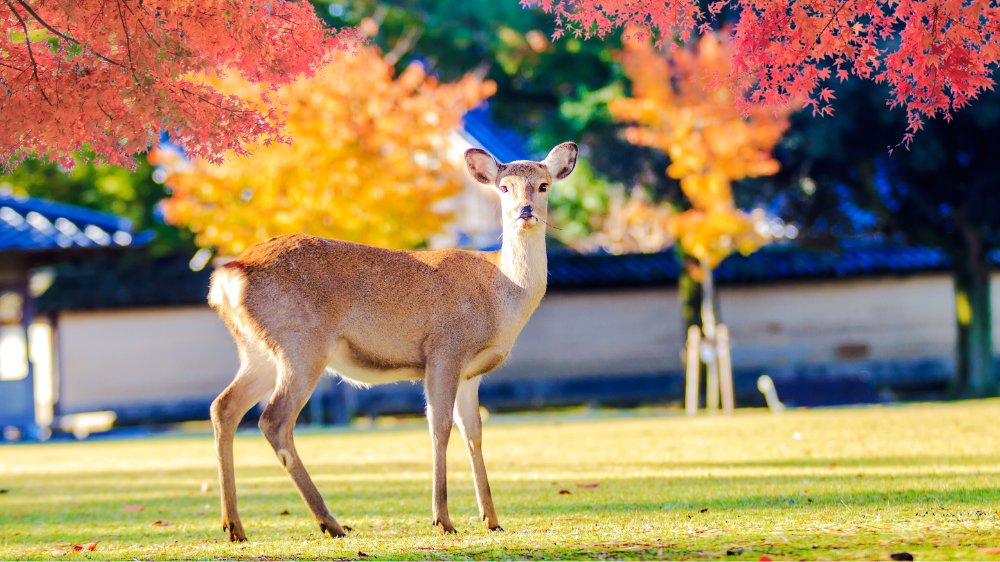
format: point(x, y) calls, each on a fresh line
point(859, 484)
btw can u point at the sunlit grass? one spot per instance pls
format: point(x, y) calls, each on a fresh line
point(858, 484)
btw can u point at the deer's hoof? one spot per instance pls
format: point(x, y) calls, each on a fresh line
point(235, 531)
point(497, 529)
point(335, 530)
point(445, 527)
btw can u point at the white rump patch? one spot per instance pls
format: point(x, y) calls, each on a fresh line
point(227, 284)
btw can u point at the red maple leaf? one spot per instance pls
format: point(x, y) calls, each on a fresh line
point(944, 54)
point(109, 77)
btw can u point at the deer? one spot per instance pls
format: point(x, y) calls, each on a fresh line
point(299, 305)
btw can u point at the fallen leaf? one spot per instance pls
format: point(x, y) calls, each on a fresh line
point(88, 546)
point(564, 492)
point(764, 559)
point(347, 528)
point(128, 507)
point(705, 510)
point(589, 485)
point(901, 556)
point(363, 554)
point(990, 549)
point(380, 527)
point(734, 551)
point(204, 487)
point(4, 490)
point(159, 523)
point(58, 552)
point(286, 512)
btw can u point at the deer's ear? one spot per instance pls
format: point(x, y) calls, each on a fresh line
point(561, 160)
point(482, 166)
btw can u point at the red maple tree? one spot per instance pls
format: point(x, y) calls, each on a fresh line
point(106, 77)
point(936, 55)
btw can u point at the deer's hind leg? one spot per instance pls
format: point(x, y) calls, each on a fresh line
point(298, 372)
point(256, 376)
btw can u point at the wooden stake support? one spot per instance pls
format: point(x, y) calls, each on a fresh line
point(693, 366)
point(720, 371)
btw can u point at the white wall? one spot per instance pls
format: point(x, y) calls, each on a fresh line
point(772, 325)
point(599, 333)
point(805, 323)
point(177, 353)
point(143, 355)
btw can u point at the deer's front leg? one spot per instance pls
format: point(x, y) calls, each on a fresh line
point(471, 425)
point(441, 384)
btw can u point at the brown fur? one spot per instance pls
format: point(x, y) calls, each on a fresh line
point(297, 304)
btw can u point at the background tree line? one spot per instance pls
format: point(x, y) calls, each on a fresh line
point(840, 177)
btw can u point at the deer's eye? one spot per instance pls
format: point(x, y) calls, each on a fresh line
point(503, 188)
point(543, 188)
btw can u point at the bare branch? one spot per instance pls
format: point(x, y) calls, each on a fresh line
point(31, 55)
point(128, 44)
point(53, 30)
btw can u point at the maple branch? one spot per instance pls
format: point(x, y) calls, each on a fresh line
point(103, 111)
point(213, 104)
point(31, 55)
point(149, 35)
point(832, 19)
point(128, 44)
point(53, 30)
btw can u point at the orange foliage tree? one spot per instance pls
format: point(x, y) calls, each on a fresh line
point(367, 161)
point(683, 105)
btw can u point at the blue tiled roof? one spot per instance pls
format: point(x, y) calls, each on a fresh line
point(30, 224)
point(771, 263)
point(504, 144)
point(115, 281)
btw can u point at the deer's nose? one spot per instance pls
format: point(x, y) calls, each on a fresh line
point(525, 212)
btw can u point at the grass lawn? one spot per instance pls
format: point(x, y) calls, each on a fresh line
point(817, 484)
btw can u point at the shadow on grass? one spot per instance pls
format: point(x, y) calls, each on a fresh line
point(402, 487)
point(55, 508)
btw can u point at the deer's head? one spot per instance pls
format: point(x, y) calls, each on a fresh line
point(523, 185)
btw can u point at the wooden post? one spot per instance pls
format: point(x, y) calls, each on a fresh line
point(725, 368)
point(712, 384)
point(693, 367)
point(708, 352)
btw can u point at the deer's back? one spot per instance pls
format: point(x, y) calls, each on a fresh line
point(382, 307)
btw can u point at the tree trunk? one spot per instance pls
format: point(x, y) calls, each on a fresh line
point(975, 373)
point(690, 294)
point(689, 291)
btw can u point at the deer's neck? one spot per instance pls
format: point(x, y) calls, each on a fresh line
point(523, 262)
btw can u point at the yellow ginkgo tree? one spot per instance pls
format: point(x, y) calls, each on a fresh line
point(367, 161)
point(683, 104)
